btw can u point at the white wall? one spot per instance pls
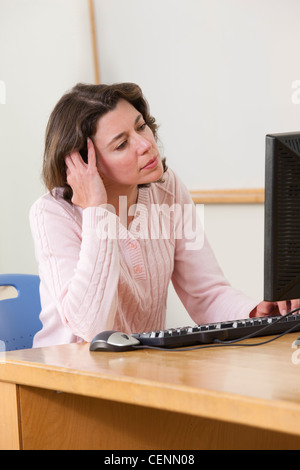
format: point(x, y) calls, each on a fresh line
point(217, 73)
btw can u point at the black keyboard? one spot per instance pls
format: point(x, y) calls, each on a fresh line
point(219, 332)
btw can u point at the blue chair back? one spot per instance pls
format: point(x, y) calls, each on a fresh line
point(19, 317)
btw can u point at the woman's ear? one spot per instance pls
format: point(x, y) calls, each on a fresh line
point(84, 152)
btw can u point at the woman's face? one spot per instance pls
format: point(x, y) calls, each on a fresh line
point(126, 149)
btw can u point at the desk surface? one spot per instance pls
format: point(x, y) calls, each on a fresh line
point(256, 386)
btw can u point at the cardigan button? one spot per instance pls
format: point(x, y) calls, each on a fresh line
point(133, 245)
point(138, 269)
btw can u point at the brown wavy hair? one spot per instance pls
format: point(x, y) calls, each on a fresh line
point(75, 118)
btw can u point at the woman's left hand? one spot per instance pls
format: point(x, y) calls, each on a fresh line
point(275, 308)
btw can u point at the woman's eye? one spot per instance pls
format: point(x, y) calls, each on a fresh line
point(122, 145)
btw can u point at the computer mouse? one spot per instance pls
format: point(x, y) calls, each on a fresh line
point(113, 341)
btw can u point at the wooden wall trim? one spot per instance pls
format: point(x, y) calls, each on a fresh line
point(229, 196)
point(94, 42)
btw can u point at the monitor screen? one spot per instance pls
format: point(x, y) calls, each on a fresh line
point(282, 217)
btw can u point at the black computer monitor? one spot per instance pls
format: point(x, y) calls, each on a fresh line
point(282, 217)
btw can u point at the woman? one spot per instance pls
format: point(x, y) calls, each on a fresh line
point(115, 226)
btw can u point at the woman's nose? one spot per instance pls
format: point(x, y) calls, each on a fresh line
point(143, 145)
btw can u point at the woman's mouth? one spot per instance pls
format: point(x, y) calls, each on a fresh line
point(151, 164)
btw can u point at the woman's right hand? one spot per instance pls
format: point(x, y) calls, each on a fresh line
point(85, 180)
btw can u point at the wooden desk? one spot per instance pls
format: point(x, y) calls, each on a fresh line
point(65, 397)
